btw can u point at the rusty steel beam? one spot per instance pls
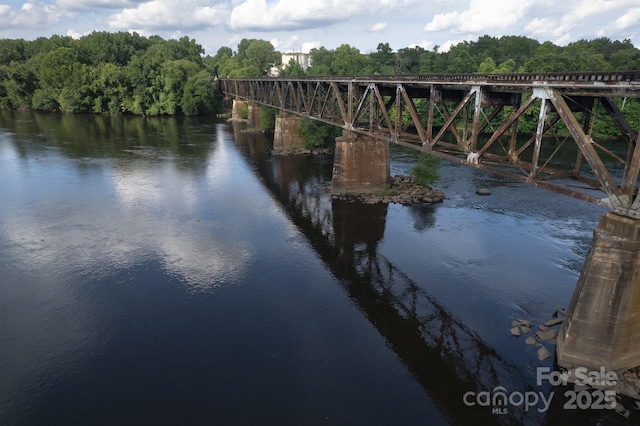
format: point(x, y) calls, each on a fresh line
point(467, 120)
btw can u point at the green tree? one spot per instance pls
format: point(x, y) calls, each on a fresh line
point(582, 56)
point(262, 55)
point(460, 60)
point(427, 169)
point(249, 71)
point(169, 86)
point(292, 69)
point(547, 58)
point(256, 54)
point(315, 134)
point(216, 62)
point(59, 67)
point(19, 82)
point(267, 118)
point(102, 47)
point(407, 60)
point(321, 60)
point(349, 61)
point(108, 88)
point(508, 66)
point(228, 67)
point(383, 59)
point(517, 48)
point(488, 66)
point(12, 51)
point(200, 96)
point(431, 62)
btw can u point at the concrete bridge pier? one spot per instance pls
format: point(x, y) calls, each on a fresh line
point(253, 116)
point(602, 326)
point(236, 109)
point(360, 164)
point(285, 136)
point(253, 113)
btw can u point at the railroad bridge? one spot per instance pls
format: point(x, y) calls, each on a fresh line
point(541, 129)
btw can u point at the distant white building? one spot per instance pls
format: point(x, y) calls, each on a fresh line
point(303, 59)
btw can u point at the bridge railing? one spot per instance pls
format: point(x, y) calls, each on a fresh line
point(526, 78)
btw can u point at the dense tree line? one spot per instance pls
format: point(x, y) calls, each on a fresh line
point(118, 73)
point(125, 73)
point(486, 55)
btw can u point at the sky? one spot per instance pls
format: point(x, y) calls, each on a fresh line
point(300, 25)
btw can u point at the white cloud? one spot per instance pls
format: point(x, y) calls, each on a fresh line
point(425, 44)
point(30, 15)
point(259, 15)
point(448, 44)
point(481, 16)
point(80, 5)
point(288, 45)
point(542, 27)
point(307, 46)
point(581, 10)
point(169, 15)
point(74, 35)
point(360, 23)
point(631, 19)
point(380, 26)
point(283, 15)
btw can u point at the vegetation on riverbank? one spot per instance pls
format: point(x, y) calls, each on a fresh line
point(125, 73)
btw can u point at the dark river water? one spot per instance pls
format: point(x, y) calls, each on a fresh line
point(174, 272)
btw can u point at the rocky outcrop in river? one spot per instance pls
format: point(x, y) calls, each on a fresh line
point(402, 190)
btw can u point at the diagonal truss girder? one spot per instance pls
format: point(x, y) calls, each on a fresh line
point(482, 121)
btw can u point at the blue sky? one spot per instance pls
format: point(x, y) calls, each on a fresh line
point(299, 25)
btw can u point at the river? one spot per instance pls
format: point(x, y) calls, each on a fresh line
point(162, 271)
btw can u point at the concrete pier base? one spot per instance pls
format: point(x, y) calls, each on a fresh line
point(602, 327)
point(360, 164)
point(253, 117)
point(285, 136)
point(237, 106)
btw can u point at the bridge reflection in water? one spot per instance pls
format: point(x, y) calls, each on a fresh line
point(444, 355)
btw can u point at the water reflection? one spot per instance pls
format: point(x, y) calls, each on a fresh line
point(423, 217)
point(143, 200)
point(446, 357)
point(110, 258)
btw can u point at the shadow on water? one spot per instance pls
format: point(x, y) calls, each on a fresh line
point(444, 355)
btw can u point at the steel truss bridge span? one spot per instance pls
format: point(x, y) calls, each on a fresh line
point(541, 129)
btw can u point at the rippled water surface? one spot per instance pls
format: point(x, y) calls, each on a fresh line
point(173, 271)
